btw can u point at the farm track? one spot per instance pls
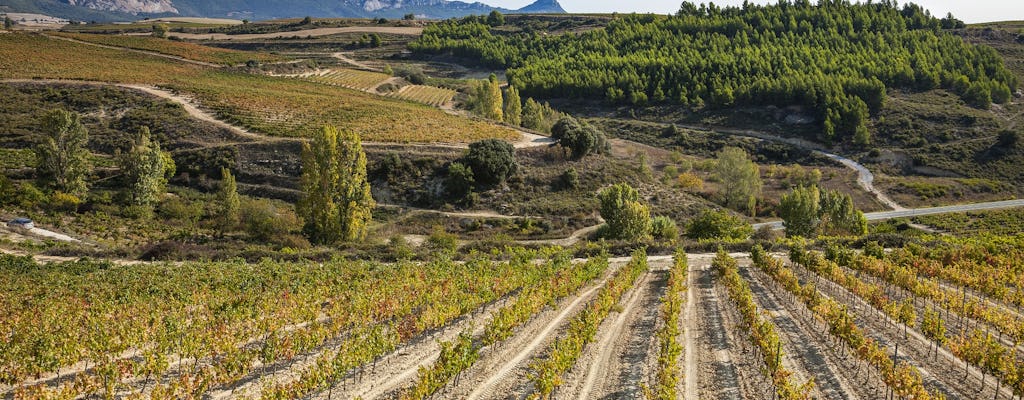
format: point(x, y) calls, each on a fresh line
point(317, 32)
point(618, 360)
point(727, 372)
point(943, 373)
point(808, 347)
point(146, 52)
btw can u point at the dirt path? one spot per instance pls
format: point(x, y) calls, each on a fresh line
point(388, 373)
point(836, 373)
point(691, 376)
point(393, 30)
point(726, 372)
point(146, 52)
point(620, 361)
point(350, 61)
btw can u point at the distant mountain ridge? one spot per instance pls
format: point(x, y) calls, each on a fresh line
point(113, 10)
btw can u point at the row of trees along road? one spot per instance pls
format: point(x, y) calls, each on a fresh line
point(836, 58)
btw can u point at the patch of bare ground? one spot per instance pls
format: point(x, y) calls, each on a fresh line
point(941, 371)
point(621, 358)
point(730, 369)
point(808, 347)
point(502, 371)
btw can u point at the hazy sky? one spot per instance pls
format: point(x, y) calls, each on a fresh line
point(969, 11)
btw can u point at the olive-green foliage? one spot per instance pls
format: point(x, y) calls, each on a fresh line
point(625, 216)
point(570, 179)
point(836, 58)
point(873, 249)
point(739, 177)
point(718, 224)
point(146, 169)
point(539, 117)
point(230, 203)
point(811, 211)
point(265, 221)
point(442, 241)
point(460, 182)
point(496, 18)
point(492, 161)
point(513, 111)
point(159, 30)
point(336, 205)
point(62, 160)
point(8, 23)
point(579, 138)
point(664, 228)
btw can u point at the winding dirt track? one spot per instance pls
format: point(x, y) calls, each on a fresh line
point(393, 30)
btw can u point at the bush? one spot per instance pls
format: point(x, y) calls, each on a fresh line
point(873, 249)
point(459, 184)
point(492, 161)
point(63, 202)
point(718, 224)
point(442, 241)
point(570, 179)
point(664, 228)
point(579, 138)
point(626, 218)
point(264, 221)
point(176, 209)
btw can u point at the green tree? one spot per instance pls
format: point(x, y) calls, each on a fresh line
point(159, 30)
point(664, 228)
point(488, 98)
point(740, 178)
point(230, 202)
point(337, 204)
point(492, 161)
point(8, 23)
point(625, 216)
point(513, 111)
point(460, 181)
point(810, 211)
point(799, 211)
point(579, 138)
point(146, 169)
point(718, 224)
point(376, 41)
point(62, 159)
point(539, 117)
point(495, 18)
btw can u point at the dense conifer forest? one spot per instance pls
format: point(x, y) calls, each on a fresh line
point(837, 58)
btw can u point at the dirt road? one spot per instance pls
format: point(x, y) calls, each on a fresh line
point(393, 30)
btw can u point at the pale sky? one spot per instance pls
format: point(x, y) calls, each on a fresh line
point(971, 11)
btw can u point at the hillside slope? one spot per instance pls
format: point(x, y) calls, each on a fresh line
point(112, 10)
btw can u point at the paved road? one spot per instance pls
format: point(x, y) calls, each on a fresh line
point(915, 212)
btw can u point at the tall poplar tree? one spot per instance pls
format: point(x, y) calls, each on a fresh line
point(513, 107)
point(61, 156)
point(337, 203)
point(230, 203)
point(740, 178)
point(146, 169)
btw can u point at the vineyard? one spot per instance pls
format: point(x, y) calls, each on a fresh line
point(936, 322)
point(350, 78)
point(175, 48)
point(262, 104)
point(429, 95)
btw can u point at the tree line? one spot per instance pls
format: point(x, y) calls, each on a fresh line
point(835, 57)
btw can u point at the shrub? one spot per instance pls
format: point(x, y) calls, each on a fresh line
point(264, 221)
point(664, 228)
point(718, 224)
point(570, 179)
point(459, 183)
point(492, 161)
point(442, 241)
point(63, 202)
point(873, 249)
point(625, 217)
point(579, 138)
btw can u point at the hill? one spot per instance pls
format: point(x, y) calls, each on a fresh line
point(119, 10)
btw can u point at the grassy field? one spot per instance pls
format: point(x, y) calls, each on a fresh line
point(273, 106)
point(352, 79)
point(176, 48)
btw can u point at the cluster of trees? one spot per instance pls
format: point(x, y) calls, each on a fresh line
point(337, 205)
point(579, 138)
point(488, 163)
point(835, 58)
point(811, 211)
point(627, 217)
point(489, 101)
point(63, 164)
